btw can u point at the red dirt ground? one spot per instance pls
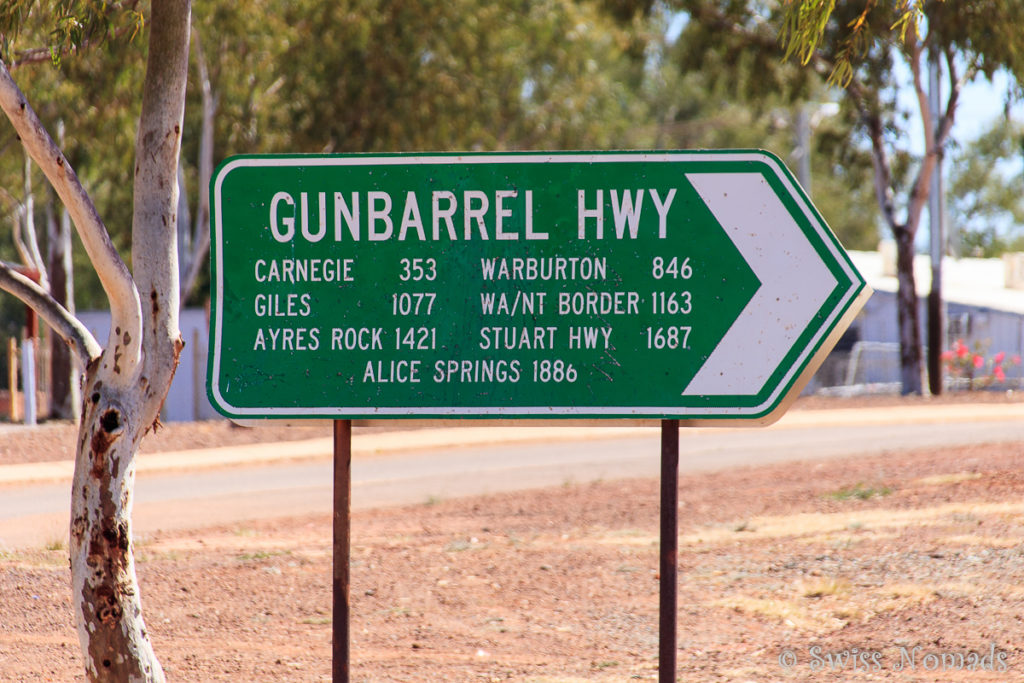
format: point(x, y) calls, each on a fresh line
point(904, 566)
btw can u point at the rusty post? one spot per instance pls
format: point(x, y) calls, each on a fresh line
point(669, 551)
point(12, 377)
point(342, 548)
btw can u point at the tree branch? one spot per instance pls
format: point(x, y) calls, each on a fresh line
point(201, 231)
point(956, 86)
point(879, 157)
point(70, 328)
point(919, 190)
point(37, 55)
point(35, 257)
point(113, 273)
point(154, 217)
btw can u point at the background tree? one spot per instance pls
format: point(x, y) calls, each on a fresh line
point(730, 89)
point(127, 380)
point(858, 47)
point(367, 76)
point(986, 191)
point(235, 74)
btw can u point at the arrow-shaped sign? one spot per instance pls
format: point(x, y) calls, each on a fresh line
point(694, 285)
point(794, 283)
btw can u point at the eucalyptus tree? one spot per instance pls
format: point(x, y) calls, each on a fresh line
point(859, 47)
point(99, 148)
point(127, 379)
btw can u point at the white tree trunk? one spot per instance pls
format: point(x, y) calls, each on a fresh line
point(127, 381)
point(108, 611)
point(121, 405)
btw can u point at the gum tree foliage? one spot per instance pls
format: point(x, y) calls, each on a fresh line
point(304, 76)
point(714, 89)
point(125, 380)
point(857, 45)
point(353, 76)
point(371, 76)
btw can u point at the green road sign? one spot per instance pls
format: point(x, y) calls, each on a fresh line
point(684, 285)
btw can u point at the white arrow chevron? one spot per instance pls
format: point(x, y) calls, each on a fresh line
point(794, 284)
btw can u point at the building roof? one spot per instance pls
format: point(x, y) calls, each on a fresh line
point(971, 281)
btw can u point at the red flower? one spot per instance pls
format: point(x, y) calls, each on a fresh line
point(998, 358)
point(979, 360)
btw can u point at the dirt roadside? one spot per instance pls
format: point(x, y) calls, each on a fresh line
point(898, 567)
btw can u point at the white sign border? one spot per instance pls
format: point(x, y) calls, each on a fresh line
point(759, 410)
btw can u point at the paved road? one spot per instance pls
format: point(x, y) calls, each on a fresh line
point(36, 514)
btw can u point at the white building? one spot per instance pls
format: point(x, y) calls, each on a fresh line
point(984, 303)
point(186, 400)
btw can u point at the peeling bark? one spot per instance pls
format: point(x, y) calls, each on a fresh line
point(104, 584)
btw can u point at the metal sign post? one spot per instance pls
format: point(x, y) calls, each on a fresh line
point(342, 524)
point(701, 286)
point(669, 569)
